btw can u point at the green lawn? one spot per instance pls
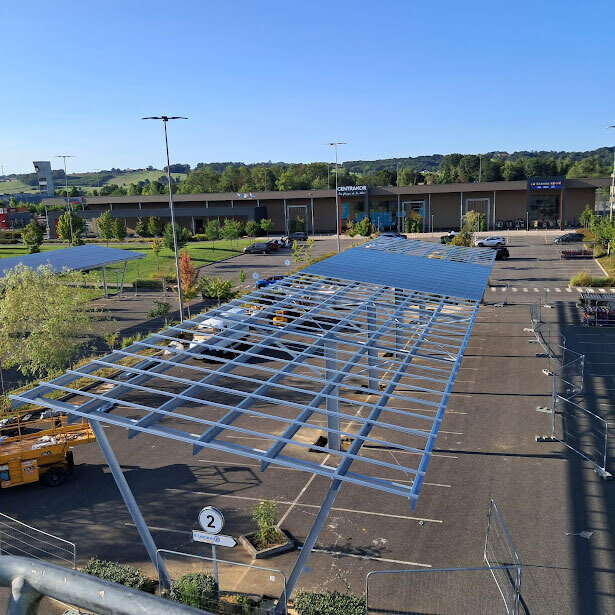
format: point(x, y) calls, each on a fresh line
point(200, 252)
point(14, 185)
point(141, 176)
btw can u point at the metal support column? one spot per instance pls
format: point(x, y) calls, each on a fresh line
point(285, 219)
point(399, 299)
point(312, 210)
point(399, 216)
point(193, 226)
point(129, 500)
point(332, 403)
point(460, 210)
point(105, 283)
point(494, 210)
point(430, 218)
point(372, 352)
point(123, 278)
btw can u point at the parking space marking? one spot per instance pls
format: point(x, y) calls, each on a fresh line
point(525, 290)
point(557, 290)
point(285, 502)
point(514, 290)
point(536, 290)
point(568, 289)
point(370, 557)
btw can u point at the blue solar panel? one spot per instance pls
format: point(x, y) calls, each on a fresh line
point(73, 259)
point(431, 274)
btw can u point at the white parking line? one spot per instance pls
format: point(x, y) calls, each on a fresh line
point(602, 290)
point(525, 290)
point(514, 290)
point(536, 290)
point(348, 510)
point(568, 289)
point(369, 557)
point(557, 290)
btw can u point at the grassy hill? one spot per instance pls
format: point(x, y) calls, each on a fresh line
point(134, 177)
point(15, 185)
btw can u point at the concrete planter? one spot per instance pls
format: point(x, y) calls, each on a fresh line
point(246, 543)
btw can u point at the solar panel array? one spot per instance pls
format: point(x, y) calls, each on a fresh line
point(79, 258)
point(269, 376)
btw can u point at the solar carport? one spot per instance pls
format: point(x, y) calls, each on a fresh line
point(367, 342)
point(80, 258)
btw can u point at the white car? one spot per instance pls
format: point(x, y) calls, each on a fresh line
point(493, 241)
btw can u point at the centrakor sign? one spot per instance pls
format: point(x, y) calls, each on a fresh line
point(351, 190)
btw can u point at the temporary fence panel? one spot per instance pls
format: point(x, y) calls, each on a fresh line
point(535, 313)
point(17, 538)
point(254, 589)
point(444, 591)
point(582, 431)
point(501, 556)
point(570, 374)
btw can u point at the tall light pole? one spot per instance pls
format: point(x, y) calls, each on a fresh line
point(612, 195)
point(337, 198)
point(69, 209)
point(397, 175)
point(165, 119)
point(480, 167)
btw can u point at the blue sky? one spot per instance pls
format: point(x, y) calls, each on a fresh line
point(278, 80)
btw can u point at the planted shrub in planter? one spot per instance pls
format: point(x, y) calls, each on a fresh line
point(119, 573)
point(268, 539)
point(195, 589)
point(329, 603)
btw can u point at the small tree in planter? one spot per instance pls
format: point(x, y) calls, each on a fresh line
point(268, 539)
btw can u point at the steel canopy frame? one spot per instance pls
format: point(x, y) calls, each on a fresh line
point(373, 364)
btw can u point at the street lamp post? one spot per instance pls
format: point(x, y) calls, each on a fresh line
point(612, 194)
point(337, 198)
point(480, 167)
point(165, 119)
point(68, 207)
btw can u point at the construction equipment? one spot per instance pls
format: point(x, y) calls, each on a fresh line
point(36, 445)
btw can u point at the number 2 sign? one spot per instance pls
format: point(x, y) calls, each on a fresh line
point(211, 520)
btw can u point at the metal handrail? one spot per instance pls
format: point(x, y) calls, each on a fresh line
point(30, 580)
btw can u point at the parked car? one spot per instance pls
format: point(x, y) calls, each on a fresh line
point(568, 238)
point(493, 241)
point(258, 248)
point(393, 235)
point(502, 254)
point(272, 279)
point(448, 237)
point(281, 243)
point(274, 245)
point(299, 236)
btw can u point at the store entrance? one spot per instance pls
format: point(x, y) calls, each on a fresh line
point(544, 210)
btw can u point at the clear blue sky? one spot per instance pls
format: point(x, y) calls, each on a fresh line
point(277, 80)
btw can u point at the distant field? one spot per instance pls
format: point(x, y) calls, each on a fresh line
point(14, 185)
point(200, 251)
point(141, 176)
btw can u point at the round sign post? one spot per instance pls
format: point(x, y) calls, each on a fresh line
point(287, 263)
point(211, 520)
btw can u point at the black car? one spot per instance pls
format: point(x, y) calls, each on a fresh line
point(569, 238)
point(393, 235)
point(502, 254)
point(299, 236)
point(258, 248)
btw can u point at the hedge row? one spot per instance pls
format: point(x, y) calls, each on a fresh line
point(10, 234)
point(329, 603)
point(584, 279)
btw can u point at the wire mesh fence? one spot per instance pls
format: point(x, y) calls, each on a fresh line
point(569, 377)
point(501, 555)
point(582, 431)
point(487, 590)
point(17, 538)
point(236, 589)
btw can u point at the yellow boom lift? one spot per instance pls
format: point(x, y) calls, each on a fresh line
point(34, 445)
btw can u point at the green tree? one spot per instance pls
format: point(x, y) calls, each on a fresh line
point(44, 318)
point(32, 236)
point(160, 309)
point(252, 228)
point(105, 226)
point(67, 221)
point(217, 288)
point(119, 229)
point(229, 180)
point(212, 231)
point(588, 216)
point(156, 247)
point(231, 229)
point(154, 227)
point(141, 228)
point(204, 179)
point(183, 235)
point(267, 225)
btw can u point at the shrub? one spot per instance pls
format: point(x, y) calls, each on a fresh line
point(7, 241)
point(119, 573)
point(364, 227)
point(329, 603)
point(263, 515)
point(149, 284)
point(198, 237)
point(195, 589)
point(584, 279)
point(217, 288)
point(10, 234)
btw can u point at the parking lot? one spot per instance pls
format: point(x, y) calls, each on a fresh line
point(486, 449)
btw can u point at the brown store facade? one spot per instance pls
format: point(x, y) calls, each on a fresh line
point(541, 202)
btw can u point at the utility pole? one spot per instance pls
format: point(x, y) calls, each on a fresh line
point(338, 222)
point(69, 209)
point(165, 119)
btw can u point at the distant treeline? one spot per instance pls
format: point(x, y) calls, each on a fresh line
point(434, 169)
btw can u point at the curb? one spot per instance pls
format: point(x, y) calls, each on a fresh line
point(601, 267)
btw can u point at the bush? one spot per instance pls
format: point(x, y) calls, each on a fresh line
point(195, 589)
point(364, 227)
point(7, 241)
point(198, 237)
point(119, 573)
point(263, 515)
point(329, 603)
point(10, 234)
point(148, 284)
point(584, 279)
